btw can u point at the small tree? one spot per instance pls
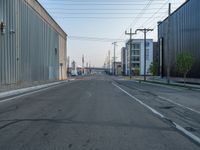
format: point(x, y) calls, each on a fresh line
point(184, 63)
point(137, 70)
point(153, 68)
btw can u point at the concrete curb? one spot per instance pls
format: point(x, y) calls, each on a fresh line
point(174, 84)
point(171, 84)
point(24, 90)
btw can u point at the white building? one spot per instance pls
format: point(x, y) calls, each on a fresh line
point(124, 59)
point(137, 58)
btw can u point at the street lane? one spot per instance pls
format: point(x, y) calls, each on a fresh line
point(88, 114)
point(177, 104)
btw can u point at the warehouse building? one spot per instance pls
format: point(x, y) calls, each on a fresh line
point(179, 33)
point(32, 44)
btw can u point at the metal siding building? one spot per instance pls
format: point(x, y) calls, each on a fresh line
point(184, 35)
point(32, 45)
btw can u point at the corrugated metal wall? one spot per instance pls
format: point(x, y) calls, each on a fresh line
point(29, 48)
point(184, 36)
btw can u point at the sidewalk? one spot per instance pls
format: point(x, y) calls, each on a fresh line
point(12, 90)
point(190, 83)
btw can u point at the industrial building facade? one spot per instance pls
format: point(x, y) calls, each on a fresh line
point(32, 45)
point(137, 56)
point(180, 33)
point(124, 57)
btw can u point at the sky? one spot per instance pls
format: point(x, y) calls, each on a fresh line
point(93, 25)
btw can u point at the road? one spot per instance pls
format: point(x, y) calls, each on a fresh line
point(94, 114)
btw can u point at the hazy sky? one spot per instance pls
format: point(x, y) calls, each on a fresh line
point(107, 19)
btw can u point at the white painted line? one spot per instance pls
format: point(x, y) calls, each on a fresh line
point(136, 99)
point(178, 127)
point(180, 105)
point(171, 101)
point(189, 134)
point(22, 95)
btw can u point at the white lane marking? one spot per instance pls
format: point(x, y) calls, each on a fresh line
point(22, 95)
point(171, 101)
point(139, 101)
point(177, 126)
point(166, 99)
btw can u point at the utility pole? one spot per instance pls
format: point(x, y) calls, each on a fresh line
point(130, 42)
point(168, 46)
point(109, 61)
point(68, 65)
point(115, 44)
point(145, 31)
point(83, 62)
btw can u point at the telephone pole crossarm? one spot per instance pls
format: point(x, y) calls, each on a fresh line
point(145, 31)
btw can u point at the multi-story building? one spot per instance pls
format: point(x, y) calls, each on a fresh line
point(118, 68)
point(124, 57)
point(180, 33)
point(32, 44)
point(137, 56)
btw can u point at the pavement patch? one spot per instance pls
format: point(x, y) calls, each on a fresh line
point(167, 107)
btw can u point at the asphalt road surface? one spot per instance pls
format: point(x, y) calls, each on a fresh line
point(93, 114)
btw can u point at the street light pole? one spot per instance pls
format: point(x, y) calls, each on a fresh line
point(145, 31)
point(109, 61)
point(130, 60)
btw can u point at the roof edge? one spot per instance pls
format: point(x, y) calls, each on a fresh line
point(41, 10)
point(160, 22)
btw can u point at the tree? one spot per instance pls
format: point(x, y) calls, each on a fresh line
point(184, 63)
point(153, 68)
point(137, 70)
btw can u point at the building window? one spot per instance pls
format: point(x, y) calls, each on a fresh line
point(136, 58)
point(136, 52)
point(147, 44)
point(56, 51)
point(136, 65)
point(136, 46)
point(147, 54)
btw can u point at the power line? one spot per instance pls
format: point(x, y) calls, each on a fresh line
point(90, 9)
point(140, 14)
point(138, 3)
point(158, 11)
point(103, 1)
point(58, 17)
point(94, 39)
point(68, 13)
